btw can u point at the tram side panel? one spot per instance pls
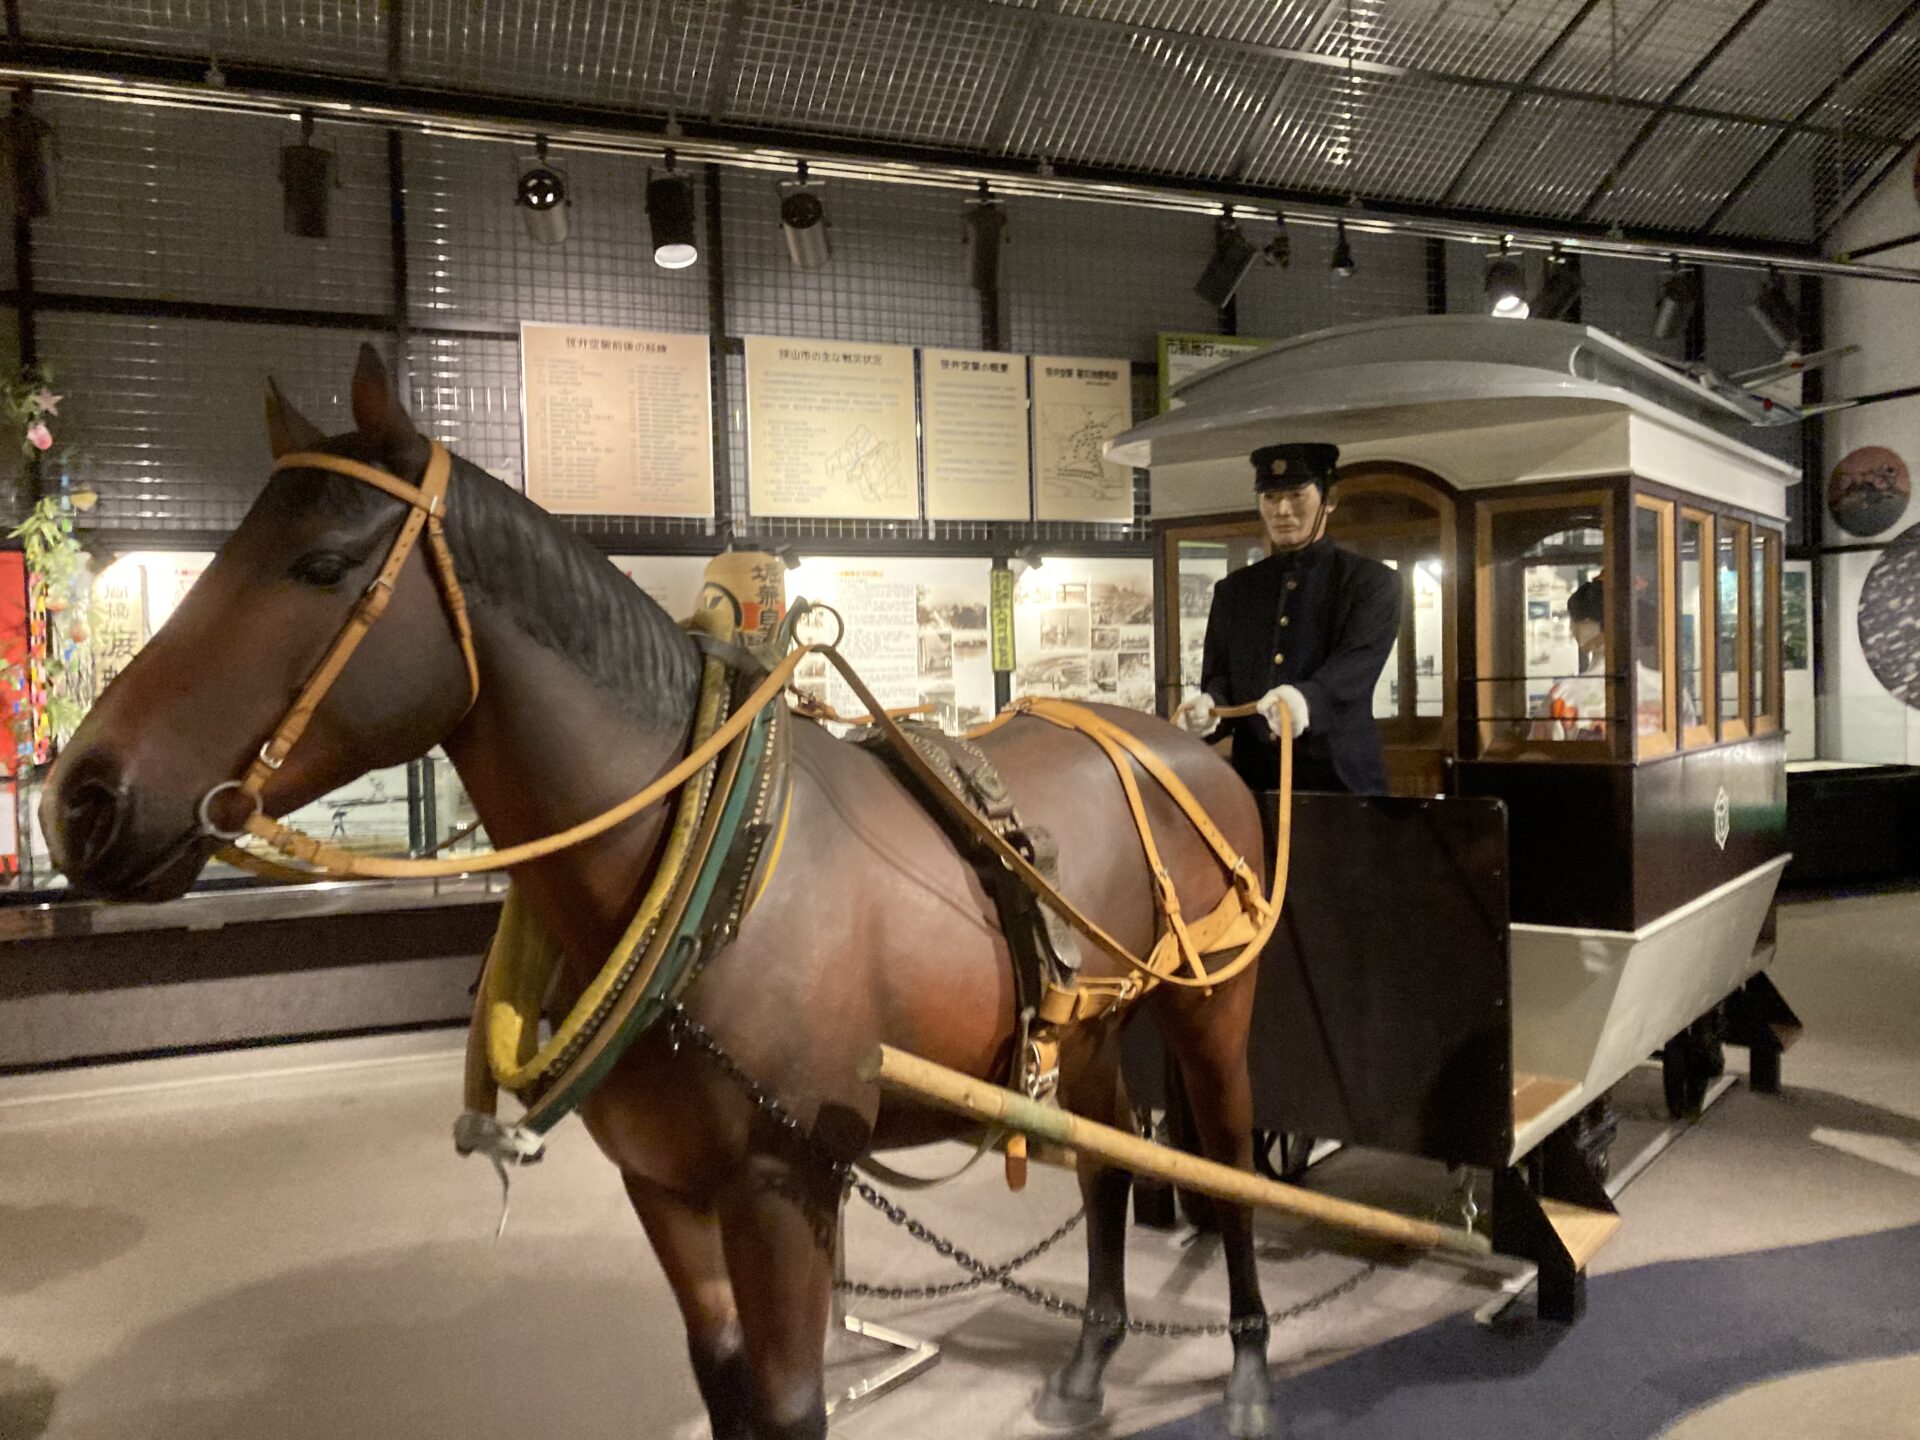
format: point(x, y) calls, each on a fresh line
point(1382, 1012)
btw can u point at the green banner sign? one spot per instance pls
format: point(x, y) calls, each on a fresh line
point(1000, 619)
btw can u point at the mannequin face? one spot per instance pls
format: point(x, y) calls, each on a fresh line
point(1588, 635)
point(1293, 516)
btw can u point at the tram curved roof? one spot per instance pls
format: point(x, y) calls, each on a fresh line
point(1477, 400)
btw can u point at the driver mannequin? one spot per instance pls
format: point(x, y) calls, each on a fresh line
point(1311, 625)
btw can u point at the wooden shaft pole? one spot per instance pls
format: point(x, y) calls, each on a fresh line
point(897, 1070)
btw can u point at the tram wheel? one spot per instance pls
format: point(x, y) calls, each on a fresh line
point(1592, 1132)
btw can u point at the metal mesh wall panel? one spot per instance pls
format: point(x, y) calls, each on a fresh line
point(1883, 95)
point(348, 36)
point(1335, 135)
point(658, 55)
point(469, 257)
point(1683, 174)
point(911, 71)
point(1788, 195)
point(1658, 42)
point(1141, 101)
point(898, 272)
point(1789, 54)
point(1619, 299)
point(1102, 280)
point(1490, 39)
point(168, 411)
point(1389, 278)
point(1548, 156)
point(1290, 24)
point(186, 205)
point(465, 393)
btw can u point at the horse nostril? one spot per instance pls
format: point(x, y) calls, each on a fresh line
point(92, 813)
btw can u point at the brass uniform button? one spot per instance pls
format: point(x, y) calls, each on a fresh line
point(1293, 584)
point(1279, 659)
point(1285, 621)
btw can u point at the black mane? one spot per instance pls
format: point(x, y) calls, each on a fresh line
point(553, 586)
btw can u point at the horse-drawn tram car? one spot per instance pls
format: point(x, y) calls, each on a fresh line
point(1577, 868)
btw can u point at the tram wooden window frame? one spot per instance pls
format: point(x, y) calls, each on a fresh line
point(1701, 736)
point(1408, 729)
point(1603, 494)
point(1768, 706)
point(1738, 726)
point(1654, 744)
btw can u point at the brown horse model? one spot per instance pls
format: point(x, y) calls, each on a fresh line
point(874, 927)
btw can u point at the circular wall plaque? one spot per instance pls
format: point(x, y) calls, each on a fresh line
point(1890, 617)
point(1868, 490)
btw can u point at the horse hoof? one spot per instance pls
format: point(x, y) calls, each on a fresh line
point(1250, 1420)
point(1058, 1411)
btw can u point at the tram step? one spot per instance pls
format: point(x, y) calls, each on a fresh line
point(1532, 1094)
point(1581, 1230)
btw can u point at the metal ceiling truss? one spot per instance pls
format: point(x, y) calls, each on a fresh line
point(1453, 121)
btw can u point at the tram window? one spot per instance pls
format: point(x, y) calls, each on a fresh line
point(1765, 628)
point(1695, 606)
point(1386, 690)
point(1545, 651)
point(1653, 706)
point(1198, 566)
point(1732, 611)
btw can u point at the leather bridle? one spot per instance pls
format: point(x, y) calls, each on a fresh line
point(426, 504)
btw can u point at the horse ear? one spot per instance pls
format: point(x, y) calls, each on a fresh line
point(376, 409)
point(287, 429)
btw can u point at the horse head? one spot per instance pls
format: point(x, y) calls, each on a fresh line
point(132, 807)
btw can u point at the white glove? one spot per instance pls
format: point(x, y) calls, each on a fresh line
point(1296, 703)
point(1196, 717)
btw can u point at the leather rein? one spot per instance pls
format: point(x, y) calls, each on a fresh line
point(426, 511)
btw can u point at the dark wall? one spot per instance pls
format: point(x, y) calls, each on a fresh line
point(93, 997)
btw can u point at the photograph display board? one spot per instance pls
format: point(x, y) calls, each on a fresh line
point(916, 630)
point(672, 580)
point(1079, 405)
point(973, 410)
point(132, 598)
point(831, 429)
point(1796, 657)
point(1084, 631)
point(1184, 356)
point(617, 422)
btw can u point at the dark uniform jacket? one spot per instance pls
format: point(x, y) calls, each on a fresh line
point(1321, 619)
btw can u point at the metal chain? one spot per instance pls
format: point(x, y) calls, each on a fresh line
point(682, 1028)
point(984, 1275)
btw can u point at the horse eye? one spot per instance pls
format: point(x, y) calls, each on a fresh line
point(325, 570)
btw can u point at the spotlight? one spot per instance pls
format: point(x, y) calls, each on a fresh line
point(1506, 284)
point(28, 139)
point(1342, 262)
point(1775, 313)
point(670, 215)
point(1027, 557)
point(1560, 288)
point(306, 175)
point(541, 198)
point(803, 220)
point(987, 231)
point(1679, 293)
point(1233, 256)
point(1279, 250)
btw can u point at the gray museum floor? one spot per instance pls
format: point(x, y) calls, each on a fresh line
point(282, 1243)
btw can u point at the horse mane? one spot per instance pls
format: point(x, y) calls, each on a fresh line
point(554, 587)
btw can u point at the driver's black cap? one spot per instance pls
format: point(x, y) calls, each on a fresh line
point(1281, 467)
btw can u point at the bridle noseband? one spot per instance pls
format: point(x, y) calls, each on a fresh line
point(426, 504)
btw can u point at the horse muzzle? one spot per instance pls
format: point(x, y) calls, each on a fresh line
point(112, 842)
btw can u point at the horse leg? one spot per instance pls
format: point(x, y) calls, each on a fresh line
point(777, 1229)
point(687, 1240)
point(1074, 1395)
point(1213, 1062)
